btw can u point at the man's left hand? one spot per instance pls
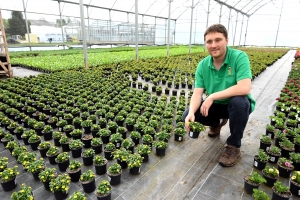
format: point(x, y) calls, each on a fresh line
point(205, 106)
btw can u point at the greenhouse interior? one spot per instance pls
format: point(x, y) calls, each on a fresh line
point(94, 95)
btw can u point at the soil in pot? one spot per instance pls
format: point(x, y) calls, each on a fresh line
point(86, 139)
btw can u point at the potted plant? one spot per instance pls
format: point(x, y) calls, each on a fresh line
point(46, 176)
point(56, 135)
point(105, 135)
point(121, 155)
point(64, 141)
point(260, 160)
point(68, 129)
point(61, 123)
point(88, 156)
point(271, 175)
point(178, 134)
point(286, 147)
point(74, 170)
point(25, 192)
point(60, 186)
point(7, 178)
point(265, 143)
point(134, 162)
point(43, 148)
point(116, 138)
point(280, 191)
point(295, 158)
point(144, 150)
point(96, 144)
point(77, 196)
point(253, 181)
point(163, 136)
point(114, 172)
point(274, 154)
point(279, 136)
point(53, 121)
point(285, 167)
point(260, 195)
point(87, 139)
point(34, 141)
point(129, 121)
point(25, 158)
point(135, 136)
point(11, 145)
point(104, 190)
point(195, 129)
point(7, 137)
point(295, 183)
point(38, 127)
point(160, 147)
point(19, 131)
point(76, 134)
point(36, 167)
point(16, 152)
point(147, 139)
point(87, 180)
point(100, 164)
point(76, 148)
point(87, 124)
point(47, 132)
point(77, 122)
point(95, 129)
point(52, 153)
point(108, 149)
point(63, 161)
point(270, 131)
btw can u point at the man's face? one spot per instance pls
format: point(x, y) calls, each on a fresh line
point(216, 44)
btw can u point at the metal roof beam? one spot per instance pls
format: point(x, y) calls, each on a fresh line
point(123, 11)
point(231, 7)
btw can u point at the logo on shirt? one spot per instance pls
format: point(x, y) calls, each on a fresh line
point(229, 71)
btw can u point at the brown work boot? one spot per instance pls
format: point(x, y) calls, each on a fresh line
point(215, 131)
point(230, 156)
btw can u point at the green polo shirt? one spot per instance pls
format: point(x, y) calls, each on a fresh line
point(235, 67)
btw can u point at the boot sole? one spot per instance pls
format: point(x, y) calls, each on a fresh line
point(230, 165)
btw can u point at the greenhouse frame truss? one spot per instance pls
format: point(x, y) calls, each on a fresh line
point(112, 32)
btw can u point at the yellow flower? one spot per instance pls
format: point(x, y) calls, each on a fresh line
point(63, 186)
point(298, 173)
point(22, 190)
point(293, 177)
point(271, 170)
point(66, 188)
point(107, 188)
point(75, 196)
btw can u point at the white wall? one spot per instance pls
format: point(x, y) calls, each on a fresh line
point(46, 32)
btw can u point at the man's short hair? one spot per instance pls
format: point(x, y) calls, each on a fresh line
point(216, 28)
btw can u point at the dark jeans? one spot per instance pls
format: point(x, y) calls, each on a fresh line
point(237, 111)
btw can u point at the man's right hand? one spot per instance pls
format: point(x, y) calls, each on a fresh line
point(189, 118)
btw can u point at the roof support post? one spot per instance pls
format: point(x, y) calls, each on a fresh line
point(136, 32)
point(241, 30)
point(169, 14)
point(246, 31)
point(27, 29)
point(191, 26)
point(110, 30)
point(61, 24)
point(278, 23)
point(86, 62)
point(237, 16)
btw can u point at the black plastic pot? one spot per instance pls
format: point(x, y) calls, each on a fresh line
point(105, 139)
point(107, 197)
point(76, 153)
point(86, 139)
point(74, 175)
point(34, 145)
point(97, 149)
point(178, 138)
point(135, 170)
point(115, 179)
point(248, 186)
point(193, 134)
point(47, 136)
point(56, 142)
point(43, 152)
point(160, 152)
point(51, 159)
point(63, 165)
point(59, 195)
point(100, 169)
point(87, 161)
point(89, 187)
point(65, 147)
point(9, 185)
point(259, 164)
point(107, 155)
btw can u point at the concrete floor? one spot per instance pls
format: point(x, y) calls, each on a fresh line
point(190, 169)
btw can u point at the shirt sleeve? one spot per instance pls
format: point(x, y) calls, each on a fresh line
point(199, 83)
point(243, 70)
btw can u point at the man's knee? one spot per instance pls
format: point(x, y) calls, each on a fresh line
point(239, 102)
